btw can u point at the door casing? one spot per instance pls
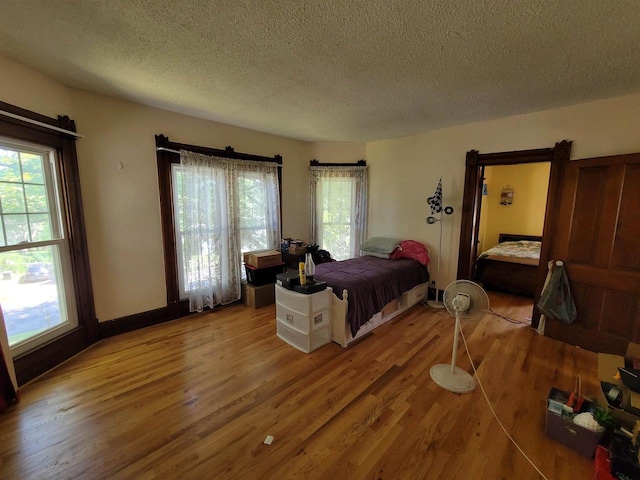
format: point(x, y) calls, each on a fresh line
point(472, 200)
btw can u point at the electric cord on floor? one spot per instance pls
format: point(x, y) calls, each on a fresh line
point(493, 312)
point(493, 411)
point(489, 310)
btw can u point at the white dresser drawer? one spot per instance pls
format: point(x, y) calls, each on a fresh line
point(304, 342)
point(303, 321)
point(301, 302)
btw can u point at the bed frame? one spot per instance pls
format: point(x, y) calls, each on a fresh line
point(512, 237)
point(341, 333)
point(509, 277)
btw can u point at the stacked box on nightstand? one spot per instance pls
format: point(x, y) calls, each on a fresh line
point(304, 320)
point(261, 268)
point(263, 258)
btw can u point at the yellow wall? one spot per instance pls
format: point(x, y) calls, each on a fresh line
point(482, 231)
point(122, 207)
point(525, 215)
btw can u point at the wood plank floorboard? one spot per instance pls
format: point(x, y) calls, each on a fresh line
point(196, 397)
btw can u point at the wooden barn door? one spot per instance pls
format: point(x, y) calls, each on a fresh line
point(597, 235)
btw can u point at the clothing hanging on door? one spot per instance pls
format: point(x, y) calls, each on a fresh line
point(556, 301)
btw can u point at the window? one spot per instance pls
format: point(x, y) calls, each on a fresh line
point(339, 208)
point(45, 280)
point(36, 291)
point(216, 204)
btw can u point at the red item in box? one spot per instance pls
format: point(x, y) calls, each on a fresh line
point(603, 464)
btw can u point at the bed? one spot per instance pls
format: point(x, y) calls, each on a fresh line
point(511, 266)
point(368, 291)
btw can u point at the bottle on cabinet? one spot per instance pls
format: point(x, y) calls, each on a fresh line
point(301, 273)
point(309, 267)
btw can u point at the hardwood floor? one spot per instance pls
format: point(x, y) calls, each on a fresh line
point(195, 398)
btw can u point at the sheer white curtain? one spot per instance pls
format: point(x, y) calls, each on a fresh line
point(225, 207)
point(8, 383)
point(339, 197)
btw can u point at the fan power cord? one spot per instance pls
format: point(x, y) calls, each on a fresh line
point(493, 411)
point(493, 312)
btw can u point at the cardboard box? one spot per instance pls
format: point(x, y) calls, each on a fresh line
point(258, 296)
point(263, 258)
point(626, 412)
point(298, 249)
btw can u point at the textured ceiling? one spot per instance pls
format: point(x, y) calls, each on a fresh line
point(334, 70)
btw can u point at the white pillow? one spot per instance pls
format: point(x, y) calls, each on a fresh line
point(375, 254)
point(380, 244)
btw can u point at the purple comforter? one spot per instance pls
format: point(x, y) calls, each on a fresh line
point(371, 283)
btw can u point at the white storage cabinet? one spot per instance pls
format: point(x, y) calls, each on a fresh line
point(303, 321)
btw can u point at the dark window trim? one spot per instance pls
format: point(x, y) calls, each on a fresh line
point(316, 163)
point(177, 307)
point(35, 362)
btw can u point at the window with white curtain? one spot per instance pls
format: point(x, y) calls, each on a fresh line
point(222, 208)
point(339, 208)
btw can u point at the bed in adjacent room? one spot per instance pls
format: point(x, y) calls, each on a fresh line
point(510, 266)
point(374, 288)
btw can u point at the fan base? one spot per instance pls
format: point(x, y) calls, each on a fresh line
point(457, 382)
point(434, 304)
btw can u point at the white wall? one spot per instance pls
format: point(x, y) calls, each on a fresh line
point(327, 152)
point(338, 152)
point(122, 207)
point(405, 171)
point(31, 90)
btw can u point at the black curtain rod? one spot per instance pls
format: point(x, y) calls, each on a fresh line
point(316, 163)
point(163, 144)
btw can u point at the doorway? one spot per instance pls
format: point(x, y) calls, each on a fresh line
point(513, 204)
point(472, 201)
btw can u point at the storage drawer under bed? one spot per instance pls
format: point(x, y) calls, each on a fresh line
point(416, 295)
